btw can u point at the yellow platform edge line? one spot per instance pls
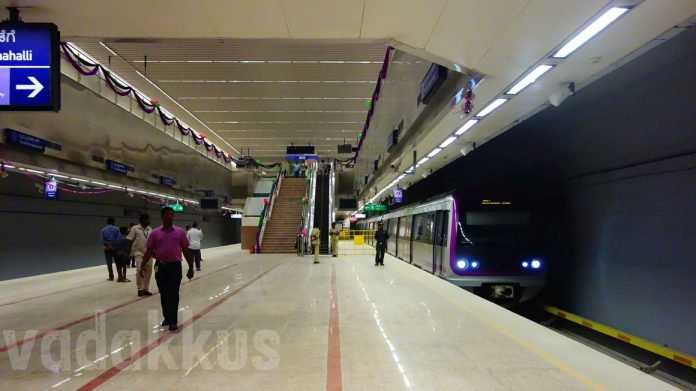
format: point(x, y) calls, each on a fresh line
point(674, 355)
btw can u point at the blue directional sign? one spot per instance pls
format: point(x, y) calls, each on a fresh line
point(29, 66)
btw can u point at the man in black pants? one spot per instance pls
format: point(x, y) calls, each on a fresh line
point(166, 243)
point(381, 237)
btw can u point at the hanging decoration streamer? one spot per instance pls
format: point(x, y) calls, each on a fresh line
point(372, 103)
point(88, 68)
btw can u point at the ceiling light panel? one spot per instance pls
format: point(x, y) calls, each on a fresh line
point(468, 125)
point(492, 106)
point(529, 79)
point(590, 31)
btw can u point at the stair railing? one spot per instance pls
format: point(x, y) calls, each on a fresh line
point(267, 211)
point(307, 222)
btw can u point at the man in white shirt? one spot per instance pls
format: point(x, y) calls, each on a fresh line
point(194, 236)
point(138, 237)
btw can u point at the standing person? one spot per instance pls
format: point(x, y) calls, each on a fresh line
point(381, 237)
point(132, 257)
point(109, 235)
point(138, 237)
point(333, 233)
point(195, 236)
point(166, 243)
point(315, 237)
point(123, 251)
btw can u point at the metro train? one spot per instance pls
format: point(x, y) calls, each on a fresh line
point(494, 248)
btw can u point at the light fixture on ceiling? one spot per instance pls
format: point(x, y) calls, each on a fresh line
point(425, 159)
point(468, 125)
point(529, 79)
point(434, 152)
point(492, 106)
point(447, 142)
point(590, 31)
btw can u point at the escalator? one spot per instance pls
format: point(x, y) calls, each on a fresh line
point(321, 211)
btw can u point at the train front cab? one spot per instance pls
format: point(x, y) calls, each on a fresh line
point(492, 257)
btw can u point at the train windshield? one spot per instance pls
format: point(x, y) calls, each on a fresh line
point(492, 228)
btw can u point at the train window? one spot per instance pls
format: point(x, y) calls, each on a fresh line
point(423, 227)
point(494, 228)
point(497, 218)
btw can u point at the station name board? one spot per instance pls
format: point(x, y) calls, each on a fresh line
point(29, 67)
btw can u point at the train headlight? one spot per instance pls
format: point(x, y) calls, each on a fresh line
point(525, 264)
point(475, 264)
point(462, 264)
point(536, 264)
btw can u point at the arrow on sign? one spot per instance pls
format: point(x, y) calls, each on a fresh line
point(36, 86)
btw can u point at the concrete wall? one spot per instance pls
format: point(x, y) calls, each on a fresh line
point(40, 236)
point(622, 155)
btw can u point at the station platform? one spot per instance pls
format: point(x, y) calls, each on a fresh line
point(279, 322)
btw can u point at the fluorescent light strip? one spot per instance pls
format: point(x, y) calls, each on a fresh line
point(79, 179)
point(529, 79)
point(425, 159)
point(434, 152)
point(590, 31)
point(447, 142)
point(98, 183)
point(115, 186)
point(34, 171)
point(494, 105)
point(57, 175)
point(468, 125)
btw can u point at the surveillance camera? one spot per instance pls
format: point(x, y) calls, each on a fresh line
point(467, 148)
point(559, 96)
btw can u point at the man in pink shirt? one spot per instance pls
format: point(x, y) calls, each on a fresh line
point(166, 243)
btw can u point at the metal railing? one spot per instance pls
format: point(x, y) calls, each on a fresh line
point(267, 211)
point(307, 222)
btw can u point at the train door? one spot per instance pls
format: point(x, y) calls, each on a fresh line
point(440, 254)
point(391, 230)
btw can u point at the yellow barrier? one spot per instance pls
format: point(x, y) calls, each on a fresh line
point(663, 351)
point(353, 242)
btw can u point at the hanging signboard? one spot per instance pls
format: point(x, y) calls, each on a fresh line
point(29, 67)
point(375, 208)
point(398, 195)
point(51, 189)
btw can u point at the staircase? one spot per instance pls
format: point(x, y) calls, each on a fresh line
point(321, 212)
point(284, 225)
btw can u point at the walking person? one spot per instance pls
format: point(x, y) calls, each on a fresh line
point(381, 237)
point(123, 251)
point(132, 257)
point(138, 236)
point(109, 235)
point(315, 240)
point(166, 243)
point(195, 236)
point(333, 233)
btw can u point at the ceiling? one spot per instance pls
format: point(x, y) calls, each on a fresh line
point(257, 95)
point(500, 39)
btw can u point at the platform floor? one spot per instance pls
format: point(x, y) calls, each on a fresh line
point(270, 322)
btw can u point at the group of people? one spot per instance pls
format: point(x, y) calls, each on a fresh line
point(165, 244)
point(381, 237)
point(126, 247)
